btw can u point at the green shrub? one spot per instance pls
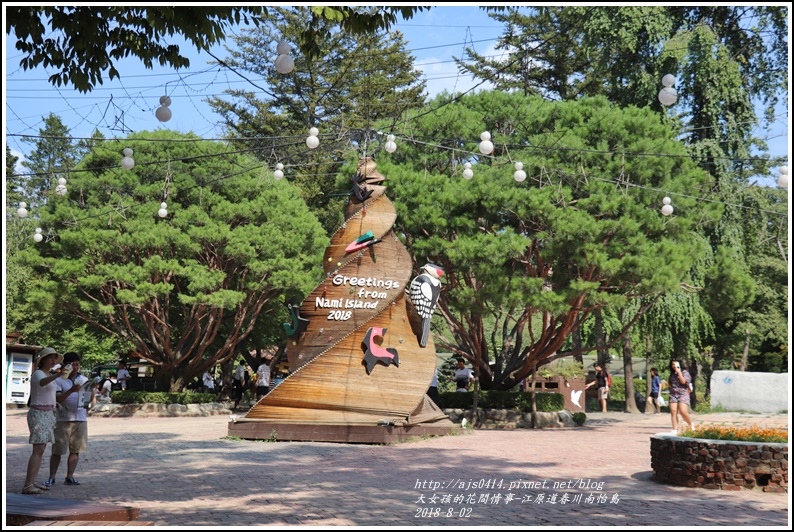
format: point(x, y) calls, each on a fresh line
point(182, 398)
point(498, 399)
point(579, 418)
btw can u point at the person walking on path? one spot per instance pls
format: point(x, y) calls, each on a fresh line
point(71, 428)
point(680, 379)
point(239, 383)
point(602, 384)
point(656, 389)
point(262, 380)
point(41, 416)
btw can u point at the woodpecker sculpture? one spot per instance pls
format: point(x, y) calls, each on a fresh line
point(425, 289)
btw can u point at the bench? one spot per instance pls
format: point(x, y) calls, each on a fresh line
point(23, 509)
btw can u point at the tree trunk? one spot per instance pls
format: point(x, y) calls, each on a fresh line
point(603, 357)
point(746, 350)
point(628, 371)
point(576, 340)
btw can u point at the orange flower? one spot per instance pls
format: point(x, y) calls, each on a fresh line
point(754, 433)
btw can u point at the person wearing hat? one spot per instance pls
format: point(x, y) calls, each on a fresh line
point(41, 416)
point(601, 380)
point(71, 428)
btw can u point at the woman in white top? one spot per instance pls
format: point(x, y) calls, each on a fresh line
point(41, 416)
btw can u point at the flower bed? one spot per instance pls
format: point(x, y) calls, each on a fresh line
point(720, 464)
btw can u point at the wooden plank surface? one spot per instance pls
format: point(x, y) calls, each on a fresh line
point(22, 509)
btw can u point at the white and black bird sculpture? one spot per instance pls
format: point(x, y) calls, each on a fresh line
point(425, 289)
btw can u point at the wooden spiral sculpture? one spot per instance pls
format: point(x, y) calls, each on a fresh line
point(354, 350)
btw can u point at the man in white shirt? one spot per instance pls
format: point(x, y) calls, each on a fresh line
point(123, 375)
point(71, 429)
point(262, 380)
point(463, 376)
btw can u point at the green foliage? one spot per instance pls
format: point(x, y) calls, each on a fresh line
point(579, 418)
point(353, 82)
point(181, 398)
point(567, 368)
point(556, 247)
point(618, 390)
point(55, 36)
point(185, 290)
point(497, 399)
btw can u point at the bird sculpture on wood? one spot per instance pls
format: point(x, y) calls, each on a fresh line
point(425, 289)
point(296, 324)
point(375, 353)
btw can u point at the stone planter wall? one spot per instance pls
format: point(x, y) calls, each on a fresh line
point(718, 464)
point(158, 410)
point(511, 419)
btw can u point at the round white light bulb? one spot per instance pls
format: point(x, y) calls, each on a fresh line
point(284, 64)
point(468, 173)
point(279, 166)
point(127, 152)
point(390, 138)
point(519, 175)
point(163, 212)
point(314, 132)
point(283, 48)
point(486, 146)
point(165, 101)
point(667, 96)
point(312, 142)
point(127, 163)
point(668, 80)
point(60, 190)
point(163, 114)
point(38, 237)
point(667, 210)
point(278, 174)
point(666, 200)
point(22, 211)
point(390, 146)
point(782, 180)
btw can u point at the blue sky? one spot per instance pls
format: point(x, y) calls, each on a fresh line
point(119, 107)
point(129, 104)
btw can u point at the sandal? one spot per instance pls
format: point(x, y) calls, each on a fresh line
point(42, 487)
point(31, 490)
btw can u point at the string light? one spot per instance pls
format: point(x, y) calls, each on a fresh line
point(127, 161)
point(38, 237)
point(668, 95)
point(61, 188)
point(390, 145)
point(22, 211)
point(312, 141)
point(782, 178)
point(519, 175)
point(468, 173)
point(163, 113)
point(486, 146)
point(279, 172)
point(163, 212)
point(667, 209)
point(284, 62)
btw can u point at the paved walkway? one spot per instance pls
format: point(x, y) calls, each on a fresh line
point(183, 471)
